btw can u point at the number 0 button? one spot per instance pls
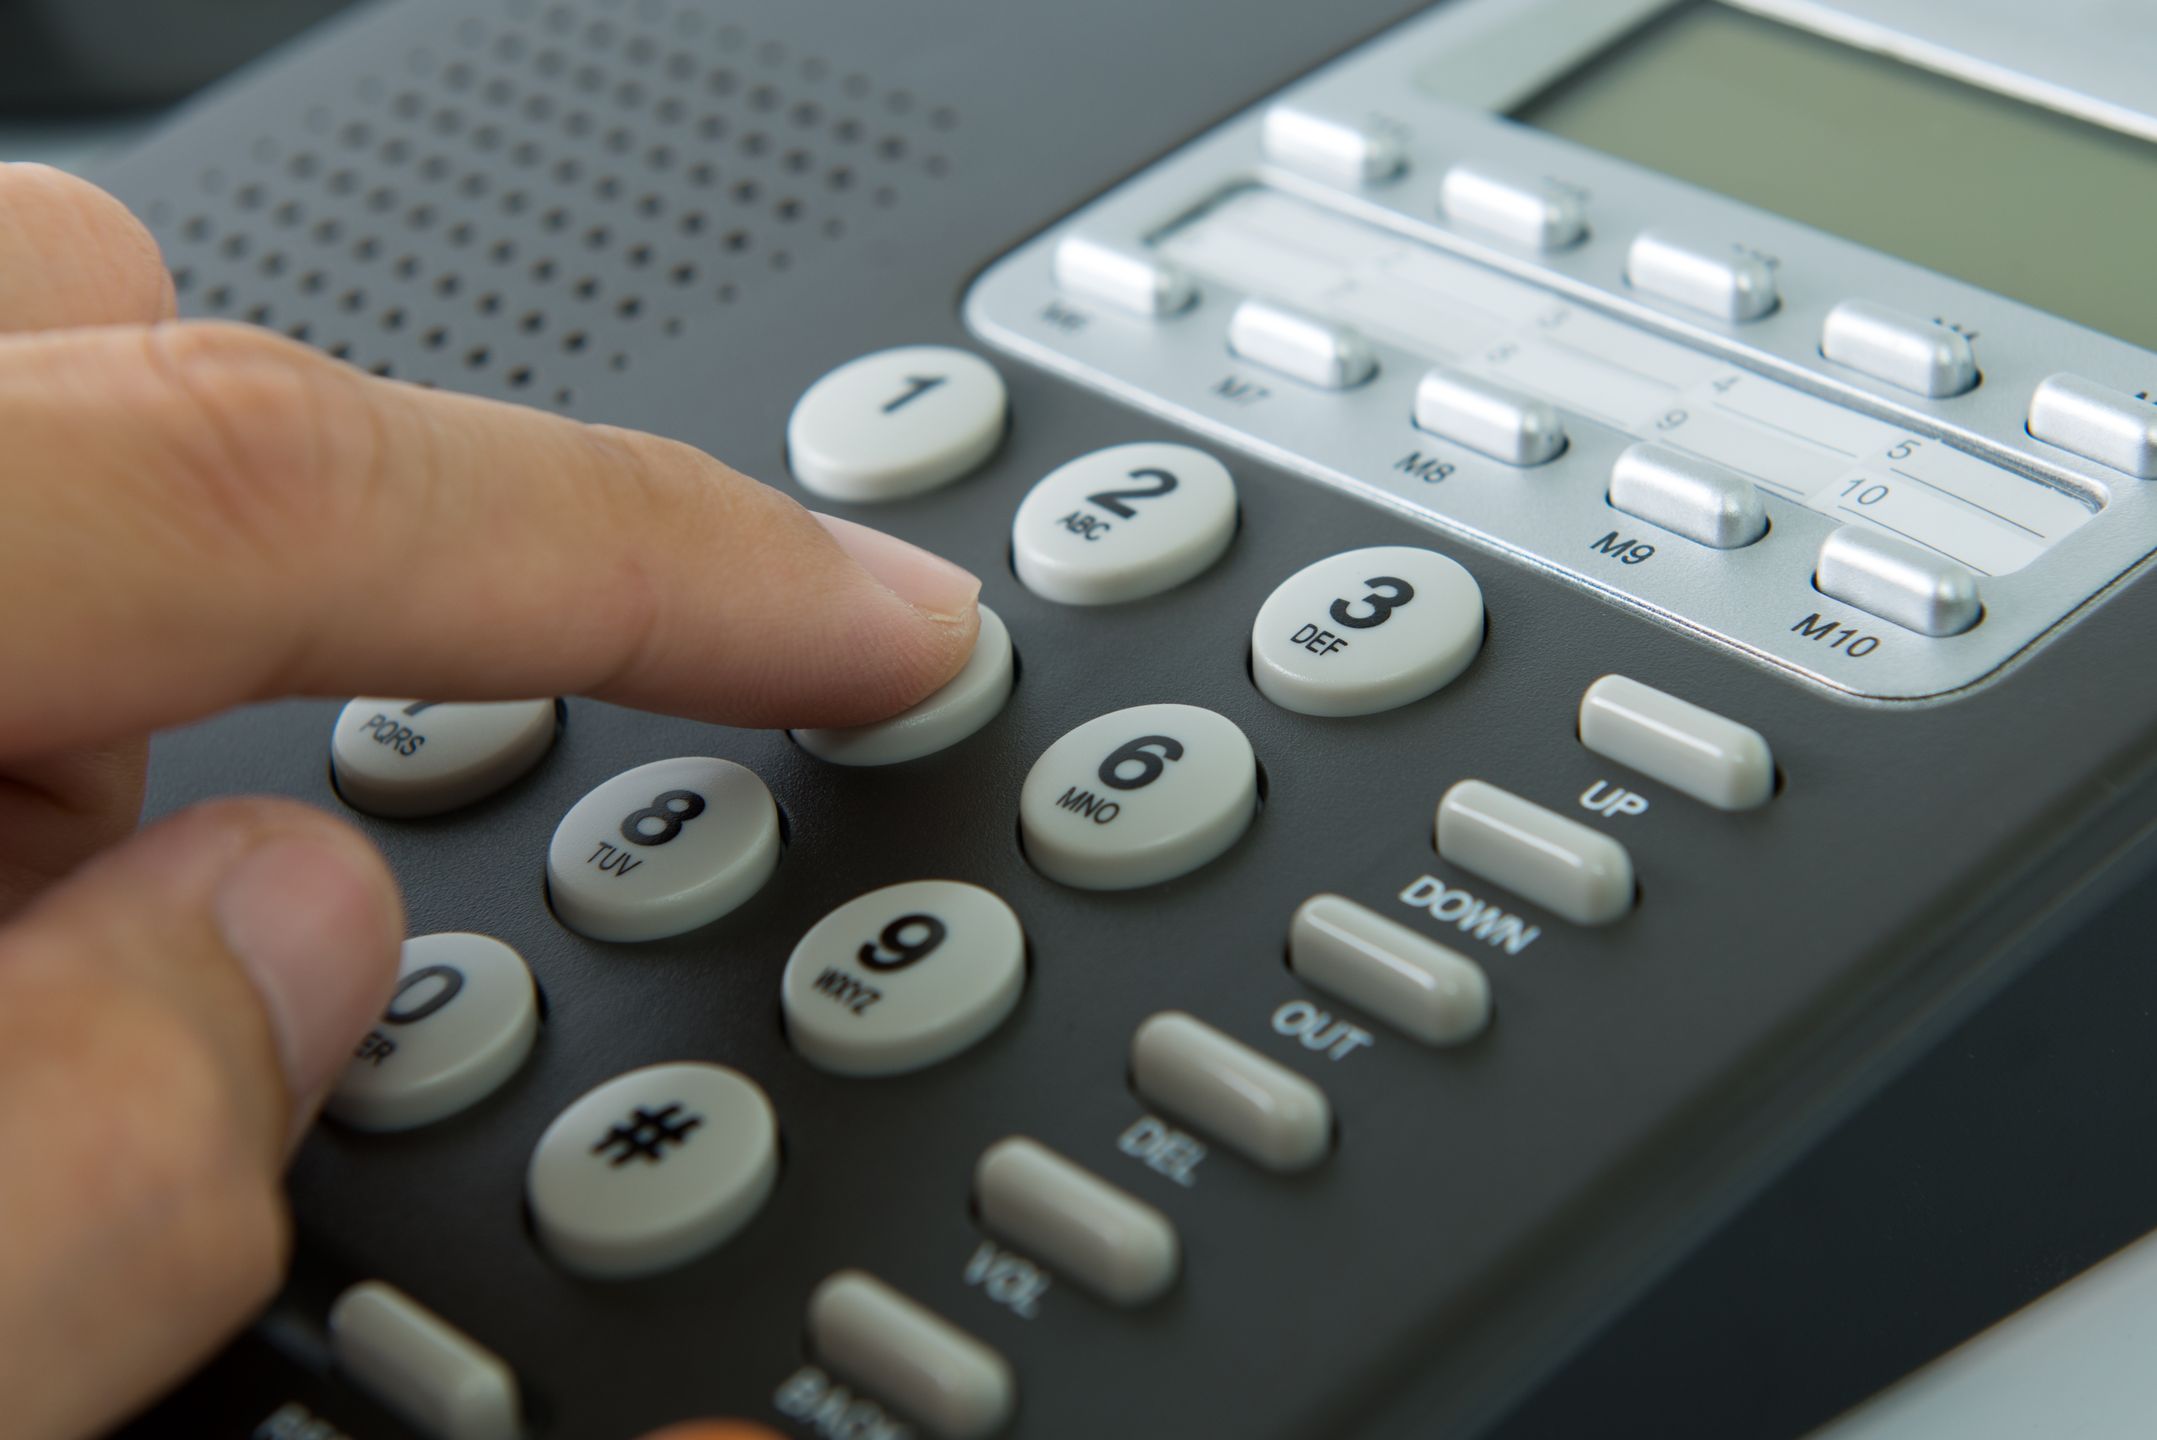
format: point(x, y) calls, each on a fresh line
point(1123, 523)
point(896, 423)
point(1366, 630)
point(903, 977)
point(460, 1023)
point(662, 849)
point(1138, 796)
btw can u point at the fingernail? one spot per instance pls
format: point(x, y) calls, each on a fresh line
point(929, 583)
point(307, 921)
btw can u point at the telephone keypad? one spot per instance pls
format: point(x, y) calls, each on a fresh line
point(965, 703)
point(460, 1022)
point(1366, 630)
point(903, 977)
point(652, 1169)
point(896, 423)
point(663, 849)
point(1138, 796)
point(1123, 523)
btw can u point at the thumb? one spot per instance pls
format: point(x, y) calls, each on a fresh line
point(169, 1016)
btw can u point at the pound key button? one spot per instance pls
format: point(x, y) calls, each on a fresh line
point(896, 423)
point(1366, 630)
point(903, 977)
point(403, 758)
point(663, 849)
point(460, 1022)
point(1123, 523)
point(652, 1169)
point(1138, 796)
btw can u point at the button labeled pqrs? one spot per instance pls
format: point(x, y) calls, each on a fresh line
point(404, 758)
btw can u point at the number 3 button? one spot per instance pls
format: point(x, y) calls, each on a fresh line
point(1366, 630)
point(1138, 796)
point(903, 977)
point(1123, 523)
point(662, 849)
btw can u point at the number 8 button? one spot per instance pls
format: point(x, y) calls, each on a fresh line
point(1138, 796)
point(662, 849)
point(1366, 630)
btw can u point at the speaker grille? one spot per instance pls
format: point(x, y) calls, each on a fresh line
point(547, 191)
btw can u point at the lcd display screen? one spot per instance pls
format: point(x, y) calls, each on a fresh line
point(2054, 212)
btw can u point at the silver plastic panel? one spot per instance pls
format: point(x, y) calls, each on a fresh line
point(2045, 530)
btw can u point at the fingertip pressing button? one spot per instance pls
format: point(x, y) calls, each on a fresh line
point(1105, 1239)
point(1255, 1106)
point(1366, 630)
point(1138, 796)
point(652, 1169)
point(965, 703)
point(896, 423)
point(449, 1386)
point(460, 1023)
point(1123, 523)
point(662, 849)
point(903, 977)
point(405, 758)
point(910, 1356)
point(1560, 864)
point(1407, 979)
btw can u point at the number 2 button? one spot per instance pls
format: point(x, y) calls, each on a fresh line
point(662, 849)
point(1366, 630)
point(1123, 523)
point(1138, 796)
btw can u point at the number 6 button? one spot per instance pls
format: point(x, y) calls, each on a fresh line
point(1123, 523)
point(903, 977)
point(662, 849)
point(1366, 630)
point(1138, 796)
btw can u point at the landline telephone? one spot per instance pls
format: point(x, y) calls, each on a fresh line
point(1566, 583)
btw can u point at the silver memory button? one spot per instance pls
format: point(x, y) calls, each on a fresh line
point(1500, 422)
point(1906, 351)
point(1699, 499)
point(1336, 150)
point(1523, 210)
point(2098, 423)
point(1897, 581)
point(1298, 346)
point(1118, 275)
point(1717, 280)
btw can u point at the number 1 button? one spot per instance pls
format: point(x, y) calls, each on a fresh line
point(1138, 796)
point(1366, 630)
point(1123, 523)
point(896, 423)
point(662, 849)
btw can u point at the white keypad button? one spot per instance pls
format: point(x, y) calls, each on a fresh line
point(662, 849)
point(896, 423)
point(904, 1353)
point(1710, 758)
point(448, 1385)
point(652, 1169)
point(460, 1022)
point(1366, 630)
point(903, 977)
point(967, 701)
point(1128, 278)
point(1560, 864)
point(1255, 1106)
point(1405, 978)
point(1105, 1239)
point(1138, 796)
point(1329, 146)
point(401, 758)
point(1123, 523)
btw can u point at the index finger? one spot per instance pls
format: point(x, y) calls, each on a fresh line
point(201, 515)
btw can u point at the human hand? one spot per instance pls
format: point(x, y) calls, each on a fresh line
point(186, 512)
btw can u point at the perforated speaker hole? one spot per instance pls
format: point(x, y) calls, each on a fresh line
point(558, 189)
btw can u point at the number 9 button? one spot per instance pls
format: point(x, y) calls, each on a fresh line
point(1123, 523)
point(903, 977)
point(1138, 796)
point(662, 849)
point(1366, 630)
